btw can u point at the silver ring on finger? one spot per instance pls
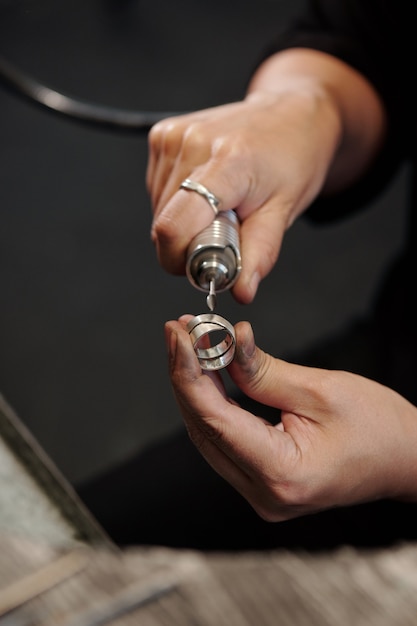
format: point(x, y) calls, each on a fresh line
point(191, 185)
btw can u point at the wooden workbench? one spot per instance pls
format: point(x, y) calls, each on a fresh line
point(57, 568)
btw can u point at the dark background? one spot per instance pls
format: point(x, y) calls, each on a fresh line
point(82, 298)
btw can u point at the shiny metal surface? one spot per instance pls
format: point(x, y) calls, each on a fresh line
point(191, 185)
point(211, 299)
point(221, 353)
point(213, 256)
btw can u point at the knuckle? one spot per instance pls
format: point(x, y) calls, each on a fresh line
point(207, 432)
point(212, 430)
point(165, 134)
point(196, 437)
point(165, 228)
point(227, 147)
point(156, 134)
point(196, 139)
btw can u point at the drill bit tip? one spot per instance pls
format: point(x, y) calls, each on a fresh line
point(212, 298)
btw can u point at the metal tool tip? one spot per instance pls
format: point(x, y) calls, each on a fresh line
point(211, 301)
point(211, 298)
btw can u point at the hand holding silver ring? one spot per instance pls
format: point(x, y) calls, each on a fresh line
point(191, 185)
point(219, 355)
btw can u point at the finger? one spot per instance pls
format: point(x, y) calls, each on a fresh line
point(187, 213)
point(190, 148)
point(153, 155)
point(164, 140)
point(238, 445)
point(274, 382)
point(174, 142)
point(261, 237)
point(159, 149)
point(173, 169)
point(199, 398)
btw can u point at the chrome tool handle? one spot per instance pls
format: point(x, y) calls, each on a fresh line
point(213, 256)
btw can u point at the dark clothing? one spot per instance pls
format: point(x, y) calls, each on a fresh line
point(376, 37)
point(169, 495)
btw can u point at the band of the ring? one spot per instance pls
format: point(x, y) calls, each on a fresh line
point(220, 355)
point(213, 200)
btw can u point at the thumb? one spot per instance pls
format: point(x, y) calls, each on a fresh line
point(261, 235)
point(269, 380)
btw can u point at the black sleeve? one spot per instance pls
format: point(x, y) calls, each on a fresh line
point(375, 37)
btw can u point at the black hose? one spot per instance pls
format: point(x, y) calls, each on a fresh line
point(83, 111)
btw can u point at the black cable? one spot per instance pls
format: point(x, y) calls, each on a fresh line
point(83, 111)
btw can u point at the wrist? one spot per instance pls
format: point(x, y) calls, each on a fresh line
point(352, 100)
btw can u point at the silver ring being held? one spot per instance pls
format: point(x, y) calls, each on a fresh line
point(219, 355)
point(191, 185)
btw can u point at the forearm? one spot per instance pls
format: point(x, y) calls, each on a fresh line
point(352, 110)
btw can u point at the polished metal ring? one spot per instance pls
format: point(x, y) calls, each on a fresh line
point(213, 201)
point(221, 354)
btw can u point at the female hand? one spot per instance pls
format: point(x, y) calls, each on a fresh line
point(306, 115)
point(258, 157)
point(342, 438)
